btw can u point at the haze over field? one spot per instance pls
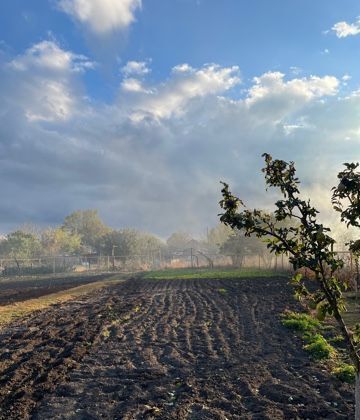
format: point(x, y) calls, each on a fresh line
point(138, 108)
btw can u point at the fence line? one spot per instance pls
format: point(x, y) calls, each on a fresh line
point(153, 259)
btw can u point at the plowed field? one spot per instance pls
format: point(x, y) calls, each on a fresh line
point(168, 349)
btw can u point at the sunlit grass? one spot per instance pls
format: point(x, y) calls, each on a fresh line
point(16, 310)
point(207, 273)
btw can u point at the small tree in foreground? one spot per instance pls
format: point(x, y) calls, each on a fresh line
point(306, 243)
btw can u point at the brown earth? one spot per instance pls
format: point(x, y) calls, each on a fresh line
point(167, 349)
point(18, 290)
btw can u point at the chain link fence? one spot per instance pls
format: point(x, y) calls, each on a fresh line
point(157, 259)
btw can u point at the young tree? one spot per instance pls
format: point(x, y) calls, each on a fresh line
point(307, 244)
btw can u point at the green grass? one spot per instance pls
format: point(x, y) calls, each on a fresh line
point(345, 373)
point(318, 347)
point(206, 273)
point(300, 322)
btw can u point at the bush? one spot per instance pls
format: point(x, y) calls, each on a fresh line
point(345, 373)
point(300, 321)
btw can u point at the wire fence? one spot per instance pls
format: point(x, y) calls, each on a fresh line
point(156, 259)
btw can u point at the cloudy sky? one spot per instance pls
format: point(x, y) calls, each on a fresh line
point(140, 107)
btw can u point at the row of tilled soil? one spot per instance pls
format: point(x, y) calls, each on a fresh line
point(169, 349)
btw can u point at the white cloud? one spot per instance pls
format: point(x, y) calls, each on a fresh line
point(138, 68)
point(186, 84)
point(48, 55)
point(272, 83)
point(344, 29)
point(102, 16)
point(134, 85)
point(45, 81)
point(272, 97)
point(162, 173)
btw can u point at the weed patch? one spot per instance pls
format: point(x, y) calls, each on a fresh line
point(345, 373)
point(318, 347)
point(300, 322)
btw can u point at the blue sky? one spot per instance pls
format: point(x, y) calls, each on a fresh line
point(138, 108)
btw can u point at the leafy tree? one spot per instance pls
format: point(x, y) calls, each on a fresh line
point(88, 225)
point(237, 246)
point(307, 244)
point(59, 241)
point(20, 245)
point(129, 243)
point(178, 241)
point(219, 235)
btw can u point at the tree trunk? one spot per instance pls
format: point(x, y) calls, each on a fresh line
point(357, 396)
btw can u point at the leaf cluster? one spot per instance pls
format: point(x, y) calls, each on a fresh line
point(348, 191)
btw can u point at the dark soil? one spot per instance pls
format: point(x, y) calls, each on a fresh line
point(14, 290)
point(179, 349)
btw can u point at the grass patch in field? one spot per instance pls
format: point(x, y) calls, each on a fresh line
point(300, 321)
point(345, 373)
point(318, 347)
point(206, 273)
point(16, 310)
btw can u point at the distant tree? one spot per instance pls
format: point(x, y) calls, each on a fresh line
point(129, 243)
point(238, 246)
point(31, 228)
point(178, 241)
point(20, 245)
point(218, 235)
point(59, 241)
point(88, 225)
point(307, 244)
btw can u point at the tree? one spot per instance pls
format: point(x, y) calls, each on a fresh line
point(219, 235)
point(130, 243)
point(88, 225)
point(59, 241)
point(237, 246)
point(178, 241)
point(20, 245)
point(307, 244)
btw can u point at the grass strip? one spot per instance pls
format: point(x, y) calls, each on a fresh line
point(206, 273)
point(17, 310)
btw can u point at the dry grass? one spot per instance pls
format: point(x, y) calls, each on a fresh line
point(11, 312)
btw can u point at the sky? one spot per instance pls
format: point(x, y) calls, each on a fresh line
point(138, 108)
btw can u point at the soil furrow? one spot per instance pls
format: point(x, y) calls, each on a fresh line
point(167, 349)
